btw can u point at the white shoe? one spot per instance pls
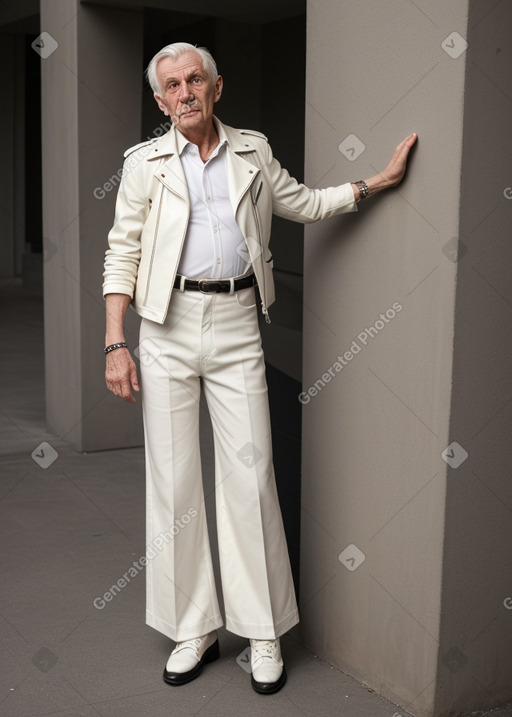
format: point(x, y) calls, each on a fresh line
point(187, 659)
point(268, 672)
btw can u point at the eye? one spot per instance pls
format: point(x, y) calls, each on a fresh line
point(197, 80)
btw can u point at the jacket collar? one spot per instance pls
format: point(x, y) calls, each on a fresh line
point(168, 146)
point(241, 173)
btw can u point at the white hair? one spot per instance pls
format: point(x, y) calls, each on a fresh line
point(175, 50)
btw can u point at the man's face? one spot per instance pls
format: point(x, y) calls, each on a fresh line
point(187, 93)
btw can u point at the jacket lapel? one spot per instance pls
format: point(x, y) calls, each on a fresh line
point(172, 176)
point(170, 173)
point(241, 173)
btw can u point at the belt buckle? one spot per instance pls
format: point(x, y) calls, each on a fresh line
point(216, 286)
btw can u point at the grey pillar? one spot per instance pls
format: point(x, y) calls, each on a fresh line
point(8, 78)
point(406, 530)
point(91, 99)
point(12, 173)
point(19, 237)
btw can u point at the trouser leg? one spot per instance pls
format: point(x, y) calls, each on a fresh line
point(181, 595)
point(257, 583)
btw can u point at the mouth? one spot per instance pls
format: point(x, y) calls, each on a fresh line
point(189, 112)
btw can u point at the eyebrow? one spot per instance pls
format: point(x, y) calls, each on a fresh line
point(188, 76)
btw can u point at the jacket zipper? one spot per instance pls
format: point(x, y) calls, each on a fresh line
point(264, 309)
point(150, 269)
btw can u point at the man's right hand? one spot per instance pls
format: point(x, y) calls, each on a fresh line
point(121, 374)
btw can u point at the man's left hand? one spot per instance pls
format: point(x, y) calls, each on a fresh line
point(394, 172)
point(396, 168)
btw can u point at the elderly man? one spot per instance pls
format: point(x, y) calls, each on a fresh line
point(189, 246)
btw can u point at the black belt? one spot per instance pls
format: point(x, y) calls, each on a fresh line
point(214, 286)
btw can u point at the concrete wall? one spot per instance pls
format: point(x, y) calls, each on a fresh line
point(476, 624)
point(90, 114)
point(390, 547)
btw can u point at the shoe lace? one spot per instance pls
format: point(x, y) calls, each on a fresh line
point(265, 648)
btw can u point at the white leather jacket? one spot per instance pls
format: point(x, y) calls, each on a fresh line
point(152, 212)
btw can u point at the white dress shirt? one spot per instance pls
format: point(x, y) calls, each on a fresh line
point(214, 245)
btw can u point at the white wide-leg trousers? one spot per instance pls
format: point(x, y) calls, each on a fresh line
point(213, 340)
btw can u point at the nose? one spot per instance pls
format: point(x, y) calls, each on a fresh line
point(184, 94)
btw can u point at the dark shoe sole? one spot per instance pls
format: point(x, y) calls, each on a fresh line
point(269, 688)
point(181, 678)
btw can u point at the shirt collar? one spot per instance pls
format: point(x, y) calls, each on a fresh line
point(182, 142)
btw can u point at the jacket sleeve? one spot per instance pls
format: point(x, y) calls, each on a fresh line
point(293, 200)
point(123, 255)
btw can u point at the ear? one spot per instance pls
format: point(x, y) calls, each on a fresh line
point(161, 103)
point(219, 84)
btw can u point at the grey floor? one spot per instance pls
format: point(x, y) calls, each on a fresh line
point(69, 529)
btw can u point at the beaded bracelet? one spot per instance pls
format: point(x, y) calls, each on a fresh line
point(112, 347)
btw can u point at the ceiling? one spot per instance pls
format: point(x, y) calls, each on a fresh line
point(22, 16)
point(257, 11)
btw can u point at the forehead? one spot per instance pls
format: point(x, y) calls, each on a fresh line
point(185, 64)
